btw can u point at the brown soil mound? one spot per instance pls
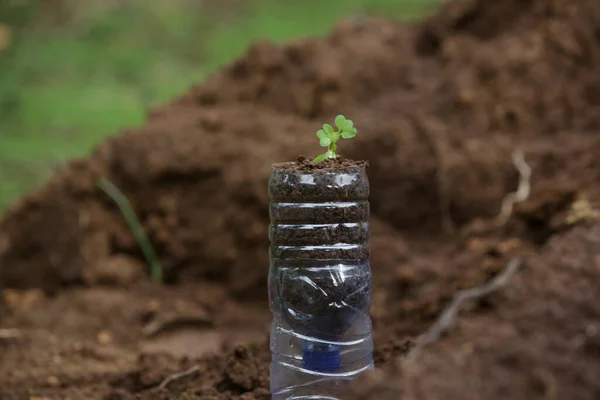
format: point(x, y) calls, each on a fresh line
point(540, 338)
point(440, 108)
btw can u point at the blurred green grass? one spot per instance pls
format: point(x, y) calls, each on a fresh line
point(68, 82)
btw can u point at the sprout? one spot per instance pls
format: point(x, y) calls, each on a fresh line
point(328, 137)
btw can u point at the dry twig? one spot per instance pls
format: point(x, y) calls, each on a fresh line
point(447, 319)
point(523, 190)
point(172, 378)
point(166, 321)
point(7, 334)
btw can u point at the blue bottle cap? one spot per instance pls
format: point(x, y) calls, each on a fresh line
point(321, 357)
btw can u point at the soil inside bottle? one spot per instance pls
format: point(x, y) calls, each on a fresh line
point(314, 301)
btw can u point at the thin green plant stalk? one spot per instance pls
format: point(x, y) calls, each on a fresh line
point(156, 269)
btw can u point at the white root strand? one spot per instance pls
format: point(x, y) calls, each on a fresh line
point(447, 319)
point(523, 190)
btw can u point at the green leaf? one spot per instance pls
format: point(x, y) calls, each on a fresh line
point(328, 129)
point(325, 142)
point(343, 124)
point(320, 158)
point(349, 134)
point(321, 134)
point(340, 120)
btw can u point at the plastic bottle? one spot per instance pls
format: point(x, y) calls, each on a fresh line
point(319, 278)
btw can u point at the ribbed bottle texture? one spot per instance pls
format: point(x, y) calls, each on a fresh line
point(319, 280)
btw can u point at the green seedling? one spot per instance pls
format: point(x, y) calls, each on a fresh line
point(329, 137)
point(156, 269)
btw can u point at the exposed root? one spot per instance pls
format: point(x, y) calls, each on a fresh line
point(172, 378)
point(447, 319)
point(523, 190)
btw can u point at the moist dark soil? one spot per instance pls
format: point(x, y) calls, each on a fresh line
point(331, 180)
point(440, 108)
point(332, 164)
point(298, 250)
point(319, 188)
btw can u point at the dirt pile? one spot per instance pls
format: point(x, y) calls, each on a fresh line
point(544, 343)
point(440, 106)
point(435, 154)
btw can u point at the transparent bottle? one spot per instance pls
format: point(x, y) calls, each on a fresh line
point(319, 279)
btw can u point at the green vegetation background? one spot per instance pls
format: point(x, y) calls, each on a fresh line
point(74, 72)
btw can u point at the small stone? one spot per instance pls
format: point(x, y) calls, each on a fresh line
point(104, 337)
point(119, 270)
point(211, 121)
point(52, 381)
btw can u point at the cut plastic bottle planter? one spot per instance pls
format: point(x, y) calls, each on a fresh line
point(319, 279)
